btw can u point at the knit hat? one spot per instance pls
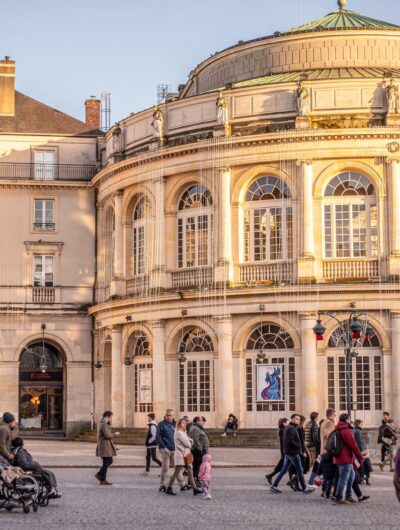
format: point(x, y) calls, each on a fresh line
point(8, 417)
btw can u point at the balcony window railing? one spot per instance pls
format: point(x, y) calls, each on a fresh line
point(44, 226)
point(21, 171)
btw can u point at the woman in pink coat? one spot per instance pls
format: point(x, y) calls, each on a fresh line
point(205, 474)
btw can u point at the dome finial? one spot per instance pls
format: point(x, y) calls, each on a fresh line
point(342, 4)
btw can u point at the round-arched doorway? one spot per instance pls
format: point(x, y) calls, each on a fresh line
point(41, 387)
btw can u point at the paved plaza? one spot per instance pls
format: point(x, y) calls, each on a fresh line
point(241, 499)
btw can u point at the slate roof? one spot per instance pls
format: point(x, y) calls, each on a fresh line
point(33, 117)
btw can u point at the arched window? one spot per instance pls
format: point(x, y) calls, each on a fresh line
point(140, 220)
point(195, 340)
point(268, 221)
point(32, 357)
point(196, 374)
point(143, 375)
point(194, 227)
point(350, 217)
point(269, 337)
point(365, 375)
point(270, 378)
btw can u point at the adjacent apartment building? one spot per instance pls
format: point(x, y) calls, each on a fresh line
point(47, 259)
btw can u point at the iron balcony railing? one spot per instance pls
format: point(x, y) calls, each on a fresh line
point(21, 171)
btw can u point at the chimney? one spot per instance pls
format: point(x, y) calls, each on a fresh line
point(93, 109)
point(7, 87)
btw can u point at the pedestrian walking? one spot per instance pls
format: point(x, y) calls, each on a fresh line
point(205, 475)
point(327, 469)
point(183, 459)
point(385, 420)
point(105, 447)
point(327, 426)
point(389, 441)
point(282, 424)
point(292, 449)
point(346, 450)
point(365, 469)
point(166, 446)
point(200, 444)
point(311, 432)
point(151, 443)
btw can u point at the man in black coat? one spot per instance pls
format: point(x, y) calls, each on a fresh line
point(292, 448)
point(24, 460)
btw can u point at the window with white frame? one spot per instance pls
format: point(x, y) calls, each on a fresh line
point(194, 227)
point(45, 168)
point(139, 235)
point(196, 374)
point(43, 271)
point(365, 376)
point(350, 217)
point(268, 228)
point(44, 214)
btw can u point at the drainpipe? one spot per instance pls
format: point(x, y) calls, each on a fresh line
point(93, 303)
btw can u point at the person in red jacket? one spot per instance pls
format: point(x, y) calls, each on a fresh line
point(345, 460)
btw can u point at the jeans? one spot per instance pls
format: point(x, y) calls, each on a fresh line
point(107, 461)
point(151, 454)
point(313, 473)
point(346, 479)
point(178, 475)
point(232, 426)
point(197, 459)
point(296, 462)
point(277, 468)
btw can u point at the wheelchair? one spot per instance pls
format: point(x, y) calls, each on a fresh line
point(22, 492)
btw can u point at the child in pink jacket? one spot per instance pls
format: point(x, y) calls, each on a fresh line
point(205, 475)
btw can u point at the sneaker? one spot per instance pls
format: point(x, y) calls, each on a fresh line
point(307, 490)
point(207, 496)
point(223, 434)
point(363, 498)
point(197, 492)
point(145, 474)
point(170, 491)
point(162, 488)
point(98, 477)
point(273, 489)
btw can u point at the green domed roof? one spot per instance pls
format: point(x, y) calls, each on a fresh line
point(343, 19)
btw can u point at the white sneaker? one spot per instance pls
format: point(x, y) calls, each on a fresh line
point(207, 496)
point(144, 474)
point(224, 434)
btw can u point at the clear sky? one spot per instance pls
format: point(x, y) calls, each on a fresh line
point(69, 50)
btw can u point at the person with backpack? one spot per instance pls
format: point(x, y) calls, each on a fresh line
point(151, 444)
point(389, 440)
point(292, 448)
point(342, 444)
point(327, 426)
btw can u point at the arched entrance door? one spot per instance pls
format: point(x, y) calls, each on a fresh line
point(41, 384)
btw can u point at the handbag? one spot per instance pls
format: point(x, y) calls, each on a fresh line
point(188, 459)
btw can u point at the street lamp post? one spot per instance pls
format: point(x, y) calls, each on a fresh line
point(353, 334)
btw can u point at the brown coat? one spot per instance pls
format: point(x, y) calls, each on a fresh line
point(327, 427)
point(5, 441)
point(105, 446)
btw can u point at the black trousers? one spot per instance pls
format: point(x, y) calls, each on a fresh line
point(197, 458)
point(48, 476)
point(151, 454)
point(277, 468)
point(107, 461)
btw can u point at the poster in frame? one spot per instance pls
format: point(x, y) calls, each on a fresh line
point(269, 383)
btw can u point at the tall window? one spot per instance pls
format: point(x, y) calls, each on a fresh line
point(43, 271)
point(196, 374)
point(139, 236)
point(194, 227)
point(366, 374)
point(44, 214)
point(350, 217)
point(143, 373)
point(45, 165)
point(268, 225)
point(276, 343)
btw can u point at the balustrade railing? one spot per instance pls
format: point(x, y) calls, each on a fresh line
point(31, 171)
point(43, 295)
point(267, 272)
point(201, 277)
point(362, 269)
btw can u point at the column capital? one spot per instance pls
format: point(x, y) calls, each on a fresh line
point(159, 180)
point(116, 328)
point(395, 315)
point(304, 162)
point(224, 319)
point(225, 169)
point(118, 194)
point(392, 160)
point(160, 323)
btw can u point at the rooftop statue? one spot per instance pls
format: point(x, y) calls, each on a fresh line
point(392, 97)
point(158, 124)
point(117, 139)
point(303, 102)
point(222, 110)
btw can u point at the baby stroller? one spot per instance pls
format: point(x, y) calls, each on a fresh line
point(18, 491)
